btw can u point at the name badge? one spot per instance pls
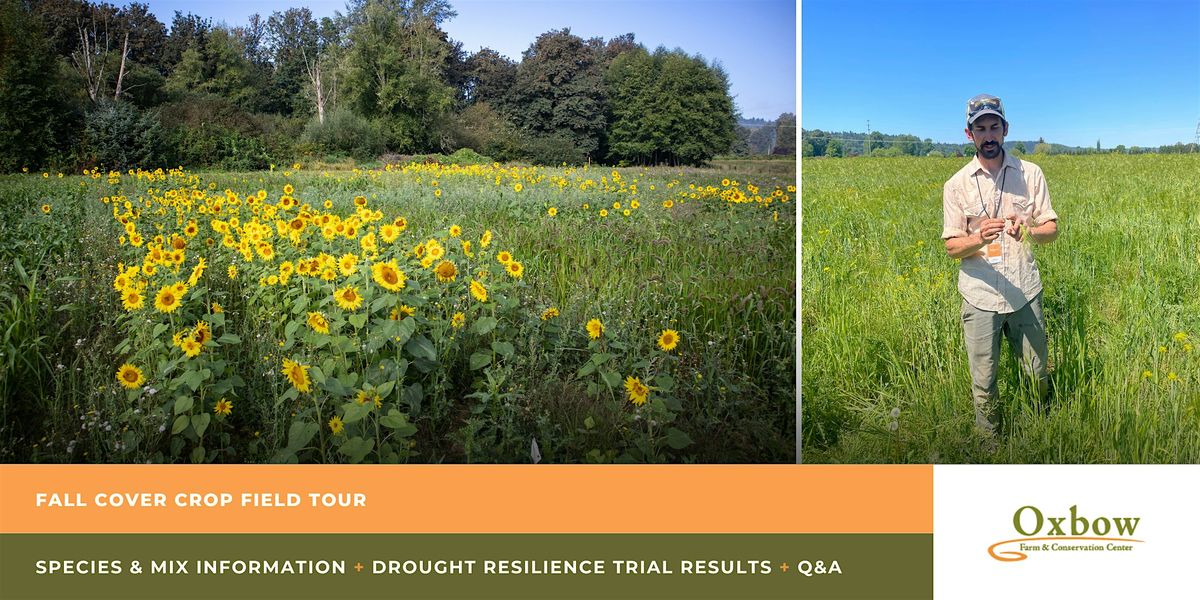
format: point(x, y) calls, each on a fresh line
point(994, 253)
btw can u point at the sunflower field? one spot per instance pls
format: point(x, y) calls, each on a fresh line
point(409, 313)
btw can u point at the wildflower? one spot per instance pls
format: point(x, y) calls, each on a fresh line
point(348, 298)
point(318, 322)
point(517, 188)
point(223, 408)
point(458, 320)
point(46, 208)
point(1147, 374)
point(552, 211)
point(1180, 337)
point(190, 347)
point(130, 376)
point(401, 312)
point(202, 334)
point(297, 375)
point(604, 212)
point(1172, 376)
point(347, 264)
point(288, 189)
point(504, 257)
point(363, 396)
point(668, 203)
point(478, 291)
point(668, 339)
point(637, 391)
point(388, 275)
point(486, 240)
point(455, 231)
point(437, 193)
point(336, 425)
point(549, 313)
point(446, 271)
point(595, 329)
point(168, 299)
point(232, 271)
point(515, 269)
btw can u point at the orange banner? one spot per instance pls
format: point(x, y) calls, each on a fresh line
point(465, 499)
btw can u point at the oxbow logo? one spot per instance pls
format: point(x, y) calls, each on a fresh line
point(1071, 533)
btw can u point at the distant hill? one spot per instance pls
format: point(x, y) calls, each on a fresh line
point(754, 122)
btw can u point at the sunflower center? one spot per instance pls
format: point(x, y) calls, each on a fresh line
point(130, 376)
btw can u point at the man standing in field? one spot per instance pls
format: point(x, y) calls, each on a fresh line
point(992, 209)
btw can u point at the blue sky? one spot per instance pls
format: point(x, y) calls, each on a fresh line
point(754, 40)
point(1070, 71)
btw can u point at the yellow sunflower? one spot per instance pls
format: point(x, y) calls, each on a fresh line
point(297, 375)
point(458, 320)
point(168, 299)
point(637, 391)
point(389, 232)
point(190, 347)
point(595, 329)
point(478, 291)
point(223, 408)
point(130, 376)
point(347, 264)
point(318, 323)
point(446, 271)
point(549, 313)
point(515, 269)
point(668, 339)
point(455, 231)
point(348, 298)
point(202, 333)
point(46, 208)
point(132, 299)
point(552, 211)
point(335, 424)
point(388, 275)
point(504, 257)
point(486, 240)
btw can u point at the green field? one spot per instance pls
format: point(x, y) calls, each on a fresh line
point(430, 387)
point(881, 332)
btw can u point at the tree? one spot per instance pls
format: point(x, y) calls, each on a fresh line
point(1019, 148)
point(968, 149)
point(490, 76)
point(1042, 148)
point(186, 31)
point(33, 113)
point(559, 91)
point(834, 149)
point(395, 65)
point(785, 135)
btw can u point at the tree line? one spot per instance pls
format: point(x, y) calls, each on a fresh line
point(816, 142)
point(92, 84)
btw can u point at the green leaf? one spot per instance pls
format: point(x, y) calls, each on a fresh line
point(357, 448)
point(158, 330)
point(413, 395)
point(181, 423)
point(217, 319)
point(589, 367)
point(317, 375)
point(589, 422)
point(600, 358)
point(611, 378)
point(504, 349)
point(183, 404)
point(354, 412)
point(300, 305)
point(480, 360)
point(484, 325)
point(385, 389)
point(193, 379)
point(200, 422)
point(405, 330)
point(290, 329)
point(229, 338)
point(664, 383)
point(299, 434)
point(421, 347)
point(678, 439)
point(358, 320)
point(384, 301)
point(398, 421)
point(198, 454)
point(291, 394)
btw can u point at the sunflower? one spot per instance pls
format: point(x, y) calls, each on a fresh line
point(360, 201)
point(197, 272)
point(401, 224)
point(437, 193)
point(604, 212)
point(190, 347)
point(168, 299)
point(455, 231)
point(389, 233)
point(46, 208)
point(347, 264)
point(446, 271)
point(132, 299)
point(668, 339)
point(625, 212)
point(336, 425)
point(202, 333)
point(668, 203)
point(436, 251)
point(504, 257)
point(388, 275)
point(466, 246)
point(517, 188)
point(595, 329)
point(637, 391)
point(288, 189)
point(297, 375)
point(515, 269)
point(232, 271)
point(458, 320)
point(486, 240)
point(130, 376)
point(217, 308)
point(318, 322)
point(401, 312)
point(552, 211)
point(364, 396)
point(549, 313)
point(348, 298)
point(478, 291)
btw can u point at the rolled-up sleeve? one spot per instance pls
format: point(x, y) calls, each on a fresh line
point(1039, 196)
point(954, 220)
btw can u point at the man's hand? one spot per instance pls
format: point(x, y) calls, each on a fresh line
point(1013, 223)
point(989, 230)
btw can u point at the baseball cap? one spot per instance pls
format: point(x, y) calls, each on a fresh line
point(984, 104)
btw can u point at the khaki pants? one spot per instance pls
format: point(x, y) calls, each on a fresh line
point(1026, 333)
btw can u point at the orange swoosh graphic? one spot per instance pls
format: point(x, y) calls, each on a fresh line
point(1015, 555)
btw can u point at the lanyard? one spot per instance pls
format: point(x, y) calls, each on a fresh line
point(999, 196)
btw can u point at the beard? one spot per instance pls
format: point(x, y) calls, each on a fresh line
point(990, 150)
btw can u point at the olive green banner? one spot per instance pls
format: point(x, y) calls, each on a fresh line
point(225, 566)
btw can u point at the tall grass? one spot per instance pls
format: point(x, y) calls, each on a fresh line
point(880, 313)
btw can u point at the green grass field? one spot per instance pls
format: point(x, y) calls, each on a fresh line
point(880, 328)
point(431, 387)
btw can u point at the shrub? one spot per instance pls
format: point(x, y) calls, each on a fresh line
point(118, 136)
point(346, 132)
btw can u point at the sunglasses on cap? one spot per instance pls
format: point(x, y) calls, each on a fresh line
point(984, 104)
